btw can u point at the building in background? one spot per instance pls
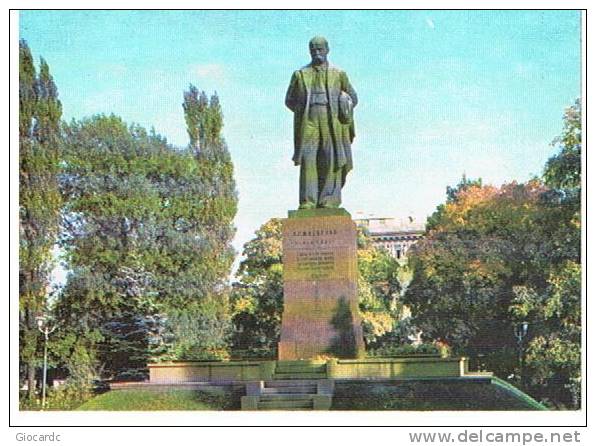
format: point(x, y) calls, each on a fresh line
point(394, 235)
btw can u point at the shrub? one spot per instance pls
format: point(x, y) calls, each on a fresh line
point(407, 349)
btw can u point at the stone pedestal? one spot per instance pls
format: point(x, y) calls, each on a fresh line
point(320, 316)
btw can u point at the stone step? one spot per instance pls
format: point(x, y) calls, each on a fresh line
point(287, 409)
point(292, 382)
point(288, 376)
point(291, 366)
point(302, 362)
point(295, 393)
point(308, 374)
point(290, 390)
point(286, 397)
point(322, 369)
point(285, 405)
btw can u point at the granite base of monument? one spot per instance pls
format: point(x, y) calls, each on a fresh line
point(320, 316)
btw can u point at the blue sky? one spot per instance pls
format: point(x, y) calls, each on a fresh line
point(441, 92)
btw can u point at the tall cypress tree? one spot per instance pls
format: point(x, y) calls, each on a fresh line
point(202, 214)
point(217, 197)
point(39, 197)
point(195, 107)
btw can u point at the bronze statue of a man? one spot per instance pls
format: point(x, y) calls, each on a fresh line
point(322, 99)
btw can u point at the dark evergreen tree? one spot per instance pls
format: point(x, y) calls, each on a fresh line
point(148, 231)
point(117, 230)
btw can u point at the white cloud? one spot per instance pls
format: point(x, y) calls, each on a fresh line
point(430, 23)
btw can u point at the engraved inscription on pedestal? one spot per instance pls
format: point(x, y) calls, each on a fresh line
point(320, 288)
point(317, 265)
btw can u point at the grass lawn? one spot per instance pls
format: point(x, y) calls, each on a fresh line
point(163, 399)
point(426, 395)
point(423, 395)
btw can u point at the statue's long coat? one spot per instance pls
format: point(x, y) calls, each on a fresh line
point(298, 100)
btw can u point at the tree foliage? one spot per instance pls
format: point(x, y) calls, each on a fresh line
point(39, 198)
point(379, 294)
point(563, 170)
point(257, 297)
point(215, 190)
point(147, 235)
point(215, 203)
point(495, 256)
point(117, 231)
point(200, 331)
point(554, 353)
point(481, 245)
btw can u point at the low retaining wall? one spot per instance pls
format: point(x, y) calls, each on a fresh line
point(370, 368)
point(391, 368)
point(179, 372)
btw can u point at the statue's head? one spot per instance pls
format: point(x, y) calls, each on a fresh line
point(319, 48)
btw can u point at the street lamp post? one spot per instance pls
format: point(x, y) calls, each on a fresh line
point(44, 326)
point(520, 331)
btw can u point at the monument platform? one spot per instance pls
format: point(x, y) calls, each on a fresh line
point(320, 316)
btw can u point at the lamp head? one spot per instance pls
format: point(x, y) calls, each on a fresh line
point(41, 320)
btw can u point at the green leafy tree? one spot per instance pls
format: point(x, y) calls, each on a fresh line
point(205, 215)
point(216, 200)
point(118, 189)
point(257, 297)
point(554, 352)
point(39, 198)
point(481, 245)
point(200, 331)
point(379, 288)
point(452, 193)
point(494, 257)
point(134, 240)
point(563, 170)
point(148, 232)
